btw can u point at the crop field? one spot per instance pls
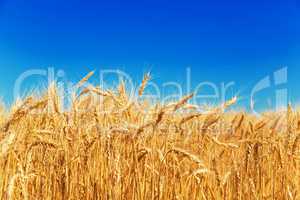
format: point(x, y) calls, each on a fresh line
point(108, 146)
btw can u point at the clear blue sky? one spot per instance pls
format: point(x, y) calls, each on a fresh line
point(240, 41)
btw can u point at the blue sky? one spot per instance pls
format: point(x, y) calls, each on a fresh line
point(221, 41)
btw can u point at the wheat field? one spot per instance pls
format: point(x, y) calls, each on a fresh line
point(113, 147)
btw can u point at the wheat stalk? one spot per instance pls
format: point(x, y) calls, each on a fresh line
point(85, 79)
point(143, 150)
point(146, 79)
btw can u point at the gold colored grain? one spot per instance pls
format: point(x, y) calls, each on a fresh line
point(142, 150)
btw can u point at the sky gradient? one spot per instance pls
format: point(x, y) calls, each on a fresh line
point(221, 41)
